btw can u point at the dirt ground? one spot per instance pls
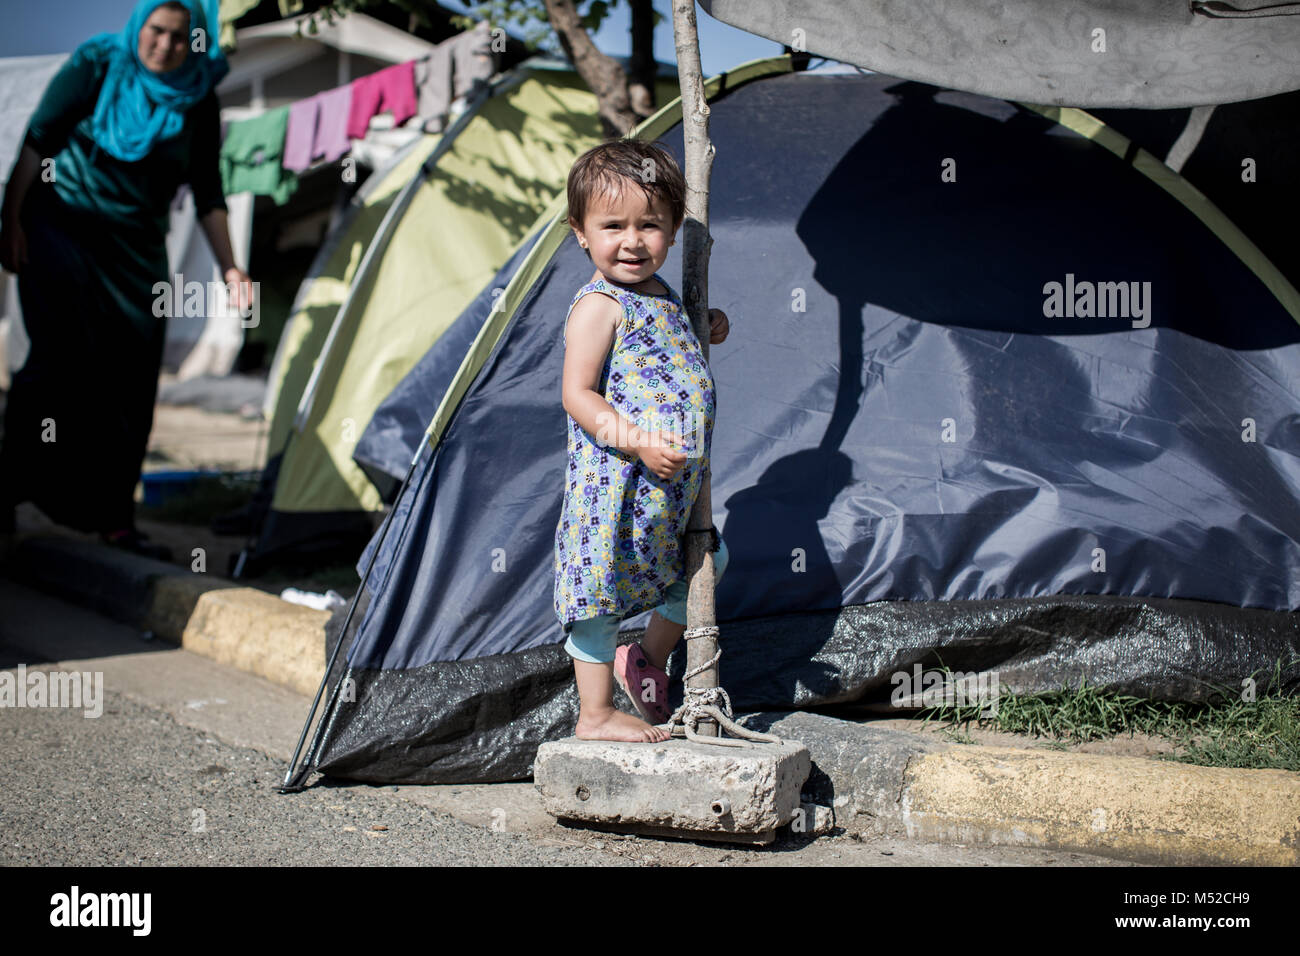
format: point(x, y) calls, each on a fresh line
point(185, 438)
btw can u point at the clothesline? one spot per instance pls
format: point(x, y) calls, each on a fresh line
point(264, 154)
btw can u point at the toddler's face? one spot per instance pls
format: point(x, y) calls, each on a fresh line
point(628, 237)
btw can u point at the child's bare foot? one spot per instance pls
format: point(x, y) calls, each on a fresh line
point(616, 725)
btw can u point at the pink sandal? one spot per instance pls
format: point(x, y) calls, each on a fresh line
point(631, 669)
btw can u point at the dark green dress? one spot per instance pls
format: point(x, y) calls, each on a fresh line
point(79, 413)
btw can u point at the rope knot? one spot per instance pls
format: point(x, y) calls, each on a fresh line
point(709, 703)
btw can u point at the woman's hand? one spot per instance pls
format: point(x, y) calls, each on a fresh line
point(719, 326)
point(216, 226)
point(240, 279)
point(662, 453)
point(13, 240)
point(13, 247)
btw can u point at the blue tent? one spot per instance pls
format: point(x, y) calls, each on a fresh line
point(1001, 391)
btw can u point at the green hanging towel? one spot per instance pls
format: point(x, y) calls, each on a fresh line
point(232, 10)
point(251, 157)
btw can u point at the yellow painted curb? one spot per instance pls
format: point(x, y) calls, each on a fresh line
point(1133, 807)
point(259, 633)
point(171, 604)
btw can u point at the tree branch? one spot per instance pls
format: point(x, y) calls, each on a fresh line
point(602, 74)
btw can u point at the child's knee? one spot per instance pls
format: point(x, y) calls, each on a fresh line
point(674, 606)
point(594, 639)
point(720, 559)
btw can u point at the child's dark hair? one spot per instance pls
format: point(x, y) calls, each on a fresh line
point(603, 168)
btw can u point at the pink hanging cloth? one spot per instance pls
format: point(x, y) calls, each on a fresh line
point(300, 136)
point(318, 129)
point(332, 126)
point(389, 89)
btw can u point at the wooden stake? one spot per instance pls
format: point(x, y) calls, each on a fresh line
point(696, 243)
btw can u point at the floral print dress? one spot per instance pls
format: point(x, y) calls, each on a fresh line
point(620, 539)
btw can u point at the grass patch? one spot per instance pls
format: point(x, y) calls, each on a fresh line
point(1255, 726)
point(209, 497)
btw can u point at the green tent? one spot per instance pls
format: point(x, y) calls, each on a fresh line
point(422, 239)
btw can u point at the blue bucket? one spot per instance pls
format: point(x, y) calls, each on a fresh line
point(160, 486)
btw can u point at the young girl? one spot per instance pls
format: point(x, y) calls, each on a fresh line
point(640, 401)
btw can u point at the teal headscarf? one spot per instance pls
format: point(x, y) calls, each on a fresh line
point(137, 107)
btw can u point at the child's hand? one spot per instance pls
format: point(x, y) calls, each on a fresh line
point(662, 454)
point(718, 326)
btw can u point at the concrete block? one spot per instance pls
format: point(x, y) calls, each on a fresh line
point(110, 581)
point(815, 819)
point(678, 787)
point(259, 633)
point(858, 768)
point(171, 604)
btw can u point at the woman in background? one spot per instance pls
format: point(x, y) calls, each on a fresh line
point(128, 118)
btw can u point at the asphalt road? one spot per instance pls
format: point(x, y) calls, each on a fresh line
point(181, 765)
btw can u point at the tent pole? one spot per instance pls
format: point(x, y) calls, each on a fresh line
point(696, 242)
point(294, 777)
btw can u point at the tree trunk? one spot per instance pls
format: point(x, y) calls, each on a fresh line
point(695, 297)
point(602, 74)
point(642, 70)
